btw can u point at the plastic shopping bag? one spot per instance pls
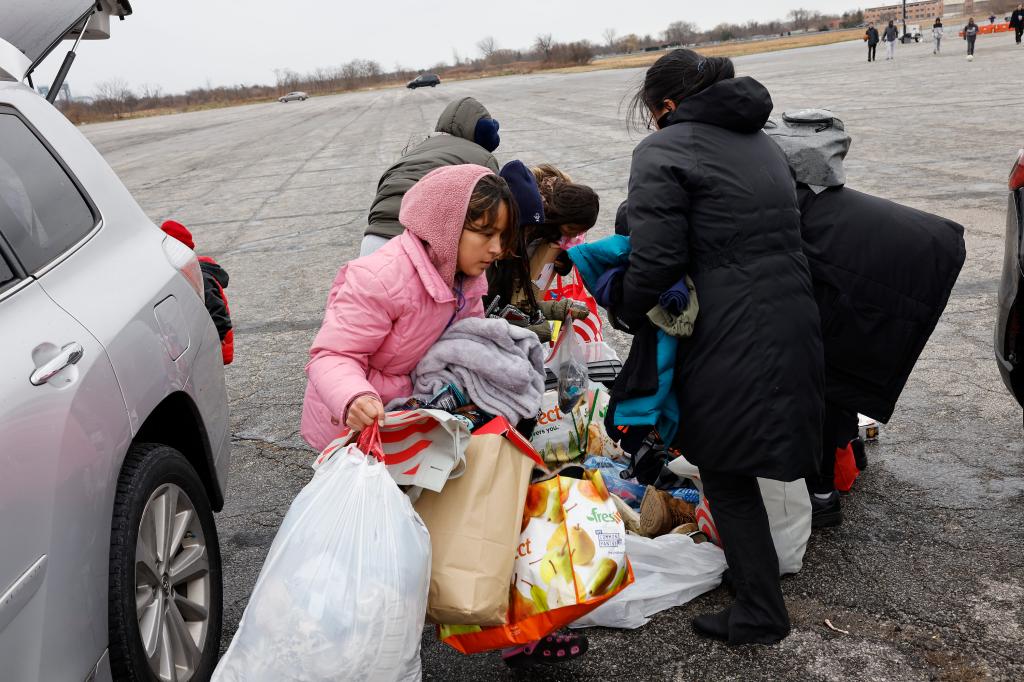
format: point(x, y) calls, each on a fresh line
point(421, 447)
point(561, 437)
point(789, 514)
point(571, 559)
point(569, 363)
point(343, 591)
point(670, 570)
point(571, 286)
point(626, 489)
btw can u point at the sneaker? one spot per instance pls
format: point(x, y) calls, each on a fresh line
point(554, 648)
point(826, 513)
point(660, 513)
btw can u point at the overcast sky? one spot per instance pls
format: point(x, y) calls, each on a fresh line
point(179, 44)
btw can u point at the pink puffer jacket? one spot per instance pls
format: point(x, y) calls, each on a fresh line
point(385, 310)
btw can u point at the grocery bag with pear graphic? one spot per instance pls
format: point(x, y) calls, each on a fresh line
point(571, 559)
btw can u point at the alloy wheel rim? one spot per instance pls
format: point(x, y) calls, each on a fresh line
point(172, 584)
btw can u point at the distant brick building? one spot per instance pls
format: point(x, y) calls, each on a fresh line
point(917, 12)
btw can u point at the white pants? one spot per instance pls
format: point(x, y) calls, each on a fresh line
point(371, 243)
point(890, 49)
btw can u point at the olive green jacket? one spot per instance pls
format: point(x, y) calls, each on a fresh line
point(452, 145)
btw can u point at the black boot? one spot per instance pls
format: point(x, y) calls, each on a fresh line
point(826, 513)
point(713, 625)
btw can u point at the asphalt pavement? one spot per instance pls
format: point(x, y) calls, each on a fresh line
point(927, 571)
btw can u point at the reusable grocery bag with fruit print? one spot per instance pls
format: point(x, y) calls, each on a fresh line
point(571, 559)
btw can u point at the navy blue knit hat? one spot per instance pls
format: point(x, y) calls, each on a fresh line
point(486, 134)
point(525, 192)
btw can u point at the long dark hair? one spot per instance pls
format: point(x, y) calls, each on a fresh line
point(511, 274)
point(485, 201)
point(676, 76)
point(565, 203)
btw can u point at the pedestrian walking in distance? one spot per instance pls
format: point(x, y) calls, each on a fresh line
point(1017, 22)
point(937, 35)
point(889, 38)
point(871, 36)
point(970, 35)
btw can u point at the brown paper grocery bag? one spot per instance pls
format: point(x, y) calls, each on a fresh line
point(474, 525)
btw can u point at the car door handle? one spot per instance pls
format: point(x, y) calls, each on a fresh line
point(68, 355)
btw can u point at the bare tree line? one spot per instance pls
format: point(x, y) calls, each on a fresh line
point(115, 98)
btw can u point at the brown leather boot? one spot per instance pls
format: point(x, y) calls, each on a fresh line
point(660, 513)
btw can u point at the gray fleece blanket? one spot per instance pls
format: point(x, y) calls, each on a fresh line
point(500, 367)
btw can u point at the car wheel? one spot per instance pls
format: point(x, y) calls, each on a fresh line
point(165, 574)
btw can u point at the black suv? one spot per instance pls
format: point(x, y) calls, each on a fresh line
point(1009, 342)
point(423, 80)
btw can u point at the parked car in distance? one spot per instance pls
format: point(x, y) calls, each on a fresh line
point(114, 431)
point(423, 80)
point(1009, 341)
point(297, 96)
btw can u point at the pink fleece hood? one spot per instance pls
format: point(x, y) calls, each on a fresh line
point(435, 211)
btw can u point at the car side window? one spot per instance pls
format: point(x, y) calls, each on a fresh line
point(42, 211)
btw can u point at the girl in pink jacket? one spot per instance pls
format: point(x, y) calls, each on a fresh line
point(385, 310)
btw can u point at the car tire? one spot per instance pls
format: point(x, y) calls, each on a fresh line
point(178, 606)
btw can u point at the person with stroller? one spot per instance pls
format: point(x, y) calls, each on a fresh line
point(712, 197)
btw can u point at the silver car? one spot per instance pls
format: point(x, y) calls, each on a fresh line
point(114, 439)
point(293, 97)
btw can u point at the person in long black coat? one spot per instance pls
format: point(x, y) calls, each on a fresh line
point(712, 196)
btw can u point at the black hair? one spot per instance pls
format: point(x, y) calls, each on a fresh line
point(485, 201)
point(678, 75)
point(569, 203)
point(511, 275)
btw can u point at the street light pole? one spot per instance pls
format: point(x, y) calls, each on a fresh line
point(904, 21)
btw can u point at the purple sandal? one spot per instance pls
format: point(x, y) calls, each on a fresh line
point(554, 648)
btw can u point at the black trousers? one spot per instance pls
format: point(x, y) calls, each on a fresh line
point(838, 428)
point(871, 52)
point(970, 44)
point(759, 614)
point(1018, 31)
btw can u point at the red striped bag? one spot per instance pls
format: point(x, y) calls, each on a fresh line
point(421, 447)
point(571, 286)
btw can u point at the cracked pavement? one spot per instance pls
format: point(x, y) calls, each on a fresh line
point(927, 572)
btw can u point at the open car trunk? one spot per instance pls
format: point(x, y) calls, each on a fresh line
point(31, 30)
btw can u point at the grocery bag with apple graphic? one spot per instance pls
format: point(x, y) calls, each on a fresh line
point(571, 559)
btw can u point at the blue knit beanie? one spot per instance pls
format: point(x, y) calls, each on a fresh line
point(525, 192)
point(486, 134)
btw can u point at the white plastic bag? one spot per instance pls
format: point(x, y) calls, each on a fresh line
point(343, 592)
point(670, 570)
point(789, 514)
point(569, 363)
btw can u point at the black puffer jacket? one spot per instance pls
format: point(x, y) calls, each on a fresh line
point(882, 275)
point(712, 196)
